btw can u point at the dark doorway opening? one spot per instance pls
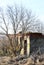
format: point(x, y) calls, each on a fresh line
point(25, 47)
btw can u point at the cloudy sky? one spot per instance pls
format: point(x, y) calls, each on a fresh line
point(37, 6)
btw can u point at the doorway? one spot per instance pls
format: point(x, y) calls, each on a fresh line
point(25, 47)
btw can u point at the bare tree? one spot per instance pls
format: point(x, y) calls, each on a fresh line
point(14, 18)
point(21, 19)
point(5, 29)
point(29, 21)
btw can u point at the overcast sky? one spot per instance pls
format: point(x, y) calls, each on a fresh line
point(37, 6)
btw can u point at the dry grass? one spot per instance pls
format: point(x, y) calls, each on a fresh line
point(11, 61)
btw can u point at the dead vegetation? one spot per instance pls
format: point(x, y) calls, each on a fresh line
point(25, 61)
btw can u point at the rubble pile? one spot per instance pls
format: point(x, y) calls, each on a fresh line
point(20, 60)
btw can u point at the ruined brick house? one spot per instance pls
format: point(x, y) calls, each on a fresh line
point(30, 41)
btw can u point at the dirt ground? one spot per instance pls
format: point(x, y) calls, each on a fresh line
point(12, 61)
